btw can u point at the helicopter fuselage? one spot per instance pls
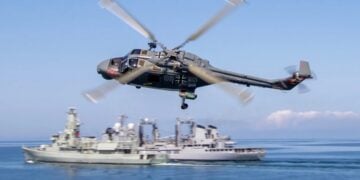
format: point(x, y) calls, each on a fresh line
point(167, 74)
point(172, 72)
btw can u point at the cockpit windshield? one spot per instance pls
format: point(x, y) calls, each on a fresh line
point(119, 63)
point(126, 62)
point(116, 61)
point(123, 66)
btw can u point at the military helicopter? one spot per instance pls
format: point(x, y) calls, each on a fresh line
point(178, 70)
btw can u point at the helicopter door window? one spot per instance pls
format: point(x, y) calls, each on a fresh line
point(133, 63)
point(141, 62)
point(144, 52)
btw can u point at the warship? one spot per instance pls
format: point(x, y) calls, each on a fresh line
point(200, 144)
point(118, 145)
point(129, 144)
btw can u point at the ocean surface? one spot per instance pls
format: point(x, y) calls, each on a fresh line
point(285, 159)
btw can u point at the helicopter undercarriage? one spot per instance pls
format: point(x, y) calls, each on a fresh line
point(186, 95)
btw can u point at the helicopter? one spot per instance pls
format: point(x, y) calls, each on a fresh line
point(178, 70)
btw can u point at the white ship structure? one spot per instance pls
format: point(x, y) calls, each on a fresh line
point(128, 144)
point(118, 145)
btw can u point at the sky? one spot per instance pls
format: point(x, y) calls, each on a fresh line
point(49, 51)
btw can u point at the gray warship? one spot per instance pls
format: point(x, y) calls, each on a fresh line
point(200, 144)
point(118, 145)
point(129, 144)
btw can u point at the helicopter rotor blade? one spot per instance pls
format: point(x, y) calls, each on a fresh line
point(121, 13)
point(291, 69)
point(130, 76)
point(94, 95)
point(244, 95)
point(313, 75)
point(230, 5)
point(302, 88)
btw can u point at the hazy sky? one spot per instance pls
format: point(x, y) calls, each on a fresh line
point(49, 51)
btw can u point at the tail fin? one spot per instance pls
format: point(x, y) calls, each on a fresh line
point(296, 78)
point(304, 69)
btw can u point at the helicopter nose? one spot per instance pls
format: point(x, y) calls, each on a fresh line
point(102, 69)
point(103, 66)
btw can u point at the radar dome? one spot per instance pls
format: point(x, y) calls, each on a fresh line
point(117, 126)
point(131, 126)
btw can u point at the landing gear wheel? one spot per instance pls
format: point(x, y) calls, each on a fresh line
point(184, 106)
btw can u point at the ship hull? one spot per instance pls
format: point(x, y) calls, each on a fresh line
point(216, 157)
point(211, 154)
point(36, 155)
point(218, 154)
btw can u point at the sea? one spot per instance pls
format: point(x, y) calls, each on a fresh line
point(285, 159)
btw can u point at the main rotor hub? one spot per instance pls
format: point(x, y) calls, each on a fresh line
point(152, 45)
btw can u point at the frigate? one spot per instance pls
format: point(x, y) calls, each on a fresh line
point(118, 145)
